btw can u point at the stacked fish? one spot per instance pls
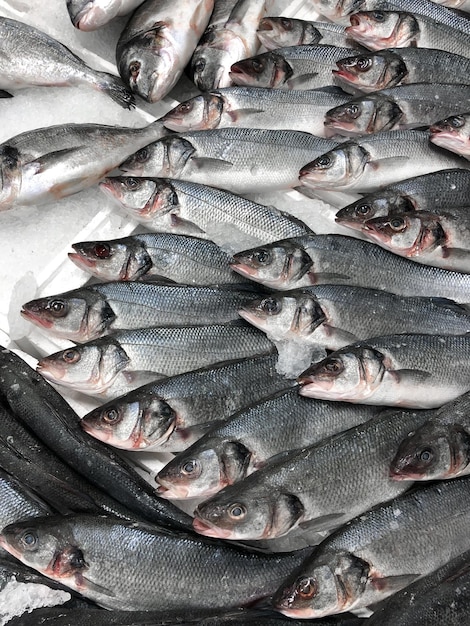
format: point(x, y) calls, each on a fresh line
point(302, 384)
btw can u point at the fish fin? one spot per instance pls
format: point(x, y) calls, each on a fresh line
point(114, 88)
point(202, 163)
point(279, 457)
point(239, 114)
point(5, 94)
point(141, 377)
point(393, 583)
point(325, 522)
point(88, 585)
point(189, 226)
point(415, 376)
point(388, 161)
point(326, 277)
point(51, 159)
point(298, 82)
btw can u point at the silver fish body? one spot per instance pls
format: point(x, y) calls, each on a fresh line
point(281, 32)
point(92, 14)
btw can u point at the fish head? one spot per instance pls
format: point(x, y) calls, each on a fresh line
point(337, 9)
point(338, 168)
point(145, 198)
point(147, 158)
point(280, 265)
point(132, 424)
point(200, 113)
point(90, 15)
point(283, 315)
point(203, 469)
point(79, 315)
point(90, 367)
point(279, 32)
point(374, 205)
point(452, 133)
point(433, 452)
point(377, 30)
point(322, 586)
point(264, 70)
point(351, 374)
point(211, 60)
point(363, 116)
point(126, 259)
point(372, 71)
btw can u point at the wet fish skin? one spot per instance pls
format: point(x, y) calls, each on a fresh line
point(51, 419)
point(359, 560)
point(157, 43)
point(410, 370)
point(300, 489)
point(336, 259)
point(246, 441)
point(453, 134)
point(30, 58)
point(439, 449)
point(89, 15)
point(156, 256)
point(117, 363)
point(281, 32)
point(84, 552)
point(193, 401)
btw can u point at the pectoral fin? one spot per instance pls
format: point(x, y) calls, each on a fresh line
point(209, 164)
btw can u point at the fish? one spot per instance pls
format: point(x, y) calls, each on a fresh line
point(226, 43)
point(337, 259)
point(438, 450)
point(184, 207)
point(293, 67)
point(355, 566)
point(317, 487)
point(112, 365)
point(245, 442)
point(91, 312)
point(88, 15)
point(410, 370)
point(332, 316)
point(29, 396)
point(171, 414)
point(32, 58)
point(365, 164)
point(366, 72)
point(377, 30)
point(452, 134)
point(444, 191)
point(402, 107)
point(227, 155)
point(281, 32)
point(135, 566)
point(255, 107)
point(45, 164)
point(157, 43)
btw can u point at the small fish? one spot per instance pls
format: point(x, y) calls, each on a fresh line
point(89, 15)
point(452, 133)
point(281, 32)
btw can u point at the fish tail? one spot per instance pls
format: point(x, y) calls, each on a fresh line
point(113, 86)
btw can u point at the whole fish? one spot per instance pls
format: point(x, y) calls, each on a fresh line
point(365, 164)
point(452, 133)
point(405, 106)
point(317, 487)
point(367, 72)
point(246, 441)
point(293, 67)
point(92, 14)
point(157, 43)
point(51, 418)
point(136, 566)
point(115, 364)
point(32, 58)
point(333, 316)
point(156, 256)
point(226, 43)
point(377, 30)
point(226, 155)
point(43, 165)
point(180, 206)
point(256, 107)
point(90, 312)
point(415, 371)
point(172, 414)
point(281, 32)
point(336, 259)
point(438, 191)
point(356, 567)
point(439, 448)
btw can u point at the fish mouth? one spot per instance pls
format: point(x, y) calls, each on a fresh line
point(253, 318)
point(243, 268)
point(36, 318)
point(345, 75)
point(171, 491)
point(206, 529)
point(81, 261)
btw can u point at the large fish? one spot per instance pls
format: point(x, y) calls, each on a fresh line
point(172, 414)
point(92, 14)
point(281, 32)
point(157, 43)
point(30, 58)
point(416, 371)
point(357, 566)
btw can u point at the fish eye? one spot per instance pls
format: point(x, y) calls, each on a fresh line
point(190, 468)
point(142, 155)
point(199, 66)
point(270, 306)
point(333, 366)
point(132, 183)
point(286, 23)
point(456, 121)
point(323, 161)
point(29, 539)
point(185, 107)
point(134, 69)
point(257, 65)
point(363, 209)
point(306, 587)
point(58, 308)
point(102, 250)
point(237, 511)
point(352, 110)
point(379, 16)
point(397, 224)
point(363, 63)
point(262, 256)
point(71, 356)
point(110, 416)
point(425, 455)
